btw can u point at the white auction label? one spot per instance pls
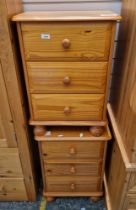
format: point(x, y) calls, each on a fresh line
point(45, 36)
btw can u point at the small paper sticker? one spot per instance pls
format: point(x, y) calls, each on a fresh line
point(45, 36)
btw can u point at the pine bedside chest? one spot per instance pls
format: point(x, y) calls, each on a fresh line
point(67, 59)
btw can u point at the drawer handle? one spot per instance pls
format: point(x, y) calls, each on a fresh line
point(67, 110)
point(66, 80)
point(66, 43)
point(72, 151)
point(73, 170)
point(72, 187)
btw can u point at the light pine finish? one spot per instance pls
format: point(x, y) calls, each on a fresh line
point(123, 90)
point(121, 173)
point(67, 59)
point(70, 133)
point(68, 164)
point(67, 16)
point(91, 168)
point(13, 188)
point(7, 132)
point(120, 182)
point(56, 41)
point(10, 165)
point(67, 107)
point(72, 150)
point(72, 184)
point(64, 77)
point(69, 123)
point(83, 41)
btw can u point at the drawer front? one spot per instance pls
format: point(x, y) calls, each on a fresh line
point(90, 169)
point(67, 106)
point(72, 150)
point(72, 184)
point(68, 41)
point(66, 77)
point(12, 189)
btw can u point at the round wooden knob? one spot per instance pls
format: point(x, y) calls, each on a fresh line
point(96, 130)
point(73, 170)
point(72, 151)
point(66, 80)
point(72, 186)
point(67, 110)
point(39, 130)
point(66, 43)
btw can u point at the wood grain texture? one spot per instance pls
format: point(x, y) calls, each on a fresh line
point(117, 178)
point(10, 165)
point(12, 189)
point(10, 70)
point(121, 182)
point(81, 107)
point(73, 194)
point(92, 168)
point(7, 132)
point(124, 80)
point(70, 133)
point(69, 123)
point(83, 37)
point(72, 150)
point(49, 77)
point(80, 184)
point(67, 16)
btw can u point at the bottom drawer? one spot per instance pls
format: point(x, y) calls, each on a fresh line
point(73, 184)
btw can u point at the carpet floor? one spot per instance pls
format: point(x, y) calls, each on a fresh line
point(57, 204)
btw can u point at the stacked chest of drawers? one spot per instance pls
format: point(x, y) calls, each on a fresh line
point(67, 60)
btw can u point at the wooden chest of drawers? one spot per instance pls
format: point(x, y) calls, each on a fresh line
point(67, 61)
point(72, 163)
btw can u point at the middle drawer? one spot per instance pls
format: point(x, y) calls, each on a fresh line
point(67, 77)
point(74, 168)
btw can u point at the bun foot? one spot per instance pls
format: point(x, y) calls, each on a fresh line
point(94, 198)
point(50, 199)
point(96, 130)
point(39, 130)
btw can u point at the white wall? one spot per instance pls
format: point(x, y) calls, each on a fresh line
point(48, 5)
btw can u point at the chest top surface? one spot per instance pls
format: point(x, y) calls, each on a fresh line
point(67, 16)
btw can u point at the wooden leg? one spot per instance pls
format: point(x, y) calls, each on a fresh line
point(50, 199)
point(94, 198)
point(96, 130)
point(39, 130)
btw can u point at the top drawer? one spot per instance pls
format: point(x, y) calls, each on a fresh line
point(59, 41)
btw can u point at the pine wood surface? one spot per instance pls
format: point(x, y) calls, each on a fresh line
point(10, 165)
point(60, 48)
point(54, 55)
point(7, 139)
point(123, 88)
point(68, 123)
point(67, 16)
point(83, 38)
point(72, 184)
point(12, 189)
point(50, 77)
point(60, 150)
point(92, 168)
point(52, 106)
point(72, 133)
point(10, 68)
